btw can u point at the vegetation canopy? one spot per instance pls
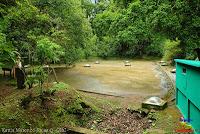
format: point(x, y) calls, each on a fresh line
point(110, 28)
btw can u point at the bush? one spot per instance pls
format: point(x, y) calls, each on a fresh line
point(105, 48)
point(172, 49)
point(57, 87)
point(30, 80)
point(25, 101)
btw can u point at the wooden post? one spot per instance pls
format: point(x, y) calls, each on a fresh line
point(55, 76)
point(48, 77)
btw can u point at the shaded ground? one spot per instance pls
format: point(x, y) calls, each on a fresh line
point(7, 86)
point(167, 121)
point(122, 121)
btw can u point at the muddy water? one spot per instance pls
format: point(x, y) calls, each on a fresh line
point(113, 78)
point(164, 83)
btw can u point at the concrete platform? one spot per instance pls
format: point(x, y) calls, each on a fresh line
point(97, 62)
point(164, 64)
point(162, 61)
point(87, 65)
point(173, 71)
point(154, 103)
point(127, 64)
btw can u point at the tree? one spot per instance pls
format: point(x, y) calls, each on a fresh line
point(7, 53)
point(48, 51)
point(140, 27)
point(172, 49)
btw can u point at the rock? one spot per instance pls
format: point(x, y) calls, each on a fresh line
point(150, 121)
point(152, 111)
point(87, 65)
point(141, 111)
point(144, 112)
point(127, 64)
point(162, 61)
point(95, 122)
point(173, 71)
point(154, 103)
point(164, 64)
point(97, 62)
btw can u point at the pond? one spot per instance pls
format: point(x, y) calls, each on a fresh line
point(112, 77)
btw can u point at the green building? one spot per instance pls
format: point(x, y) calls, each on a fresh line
point(188, 91)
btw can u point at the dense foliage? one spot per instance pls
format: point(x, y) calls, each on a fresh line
point(49, 31)
point(143, 27)
point(37, 29)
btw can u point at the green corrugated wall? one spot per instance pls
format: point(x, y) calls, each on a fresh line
point(188, 91)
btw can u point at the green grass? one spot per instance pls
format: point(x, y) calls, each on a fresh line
point(167, 121)
point(66, 107)
point(13, 115)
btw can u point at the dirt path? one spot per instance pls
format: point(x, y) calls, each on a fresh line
point(6, 87)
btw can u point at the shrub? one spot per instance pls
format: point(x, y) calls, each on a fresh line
point(26, 101)
point(172, 49)
point(30, 80)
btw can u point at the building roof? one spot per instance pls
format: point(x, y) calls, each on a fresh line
point(188, 62)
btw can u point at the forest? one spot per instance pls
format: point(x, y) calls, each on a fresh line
point(90, 65)
point(79, 29)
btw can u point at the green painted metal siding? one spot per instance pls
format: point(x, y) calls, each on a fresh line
point(188, 91)
point(181, 78)
point(193, 87)
point(191, 63)
point(195, 117)
point(182, 103)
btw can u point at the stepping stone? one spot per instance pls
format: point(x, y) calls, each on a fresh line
point(154, 103)
point(127, 64)
point(97, 62)
point(87, 65)
point(162, 61)
point(173, 71)
point(164, 64)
